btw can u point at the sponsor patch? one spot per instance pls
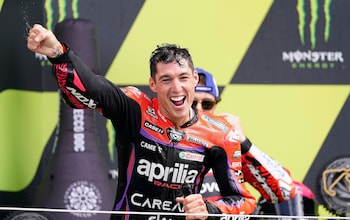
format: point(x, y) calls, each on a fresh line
point(150, 111)
point(197, 141)
point(153, 127)
point(174, 135)
point(215, 122)
point(236, 154)
point(191, 156)
point(148, 146)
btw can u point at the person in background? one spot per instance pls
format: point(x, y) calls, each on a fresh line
point(164, 146)
point(259, 170)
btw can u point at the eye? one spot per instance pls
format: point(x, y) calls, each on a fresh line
point(165, 79)
point(184, 77)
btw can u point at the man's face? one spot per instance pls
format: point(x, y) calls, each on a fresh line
point(204, 101)
point(174, 84)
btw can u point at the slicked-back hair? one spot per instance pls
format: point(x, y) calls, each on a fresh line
point(167, 53)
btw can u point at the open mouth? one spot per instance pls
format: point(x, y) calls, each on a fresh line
point(178, 100)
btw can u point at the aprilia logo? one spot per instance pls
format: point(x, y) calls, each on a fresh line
point(157, 171)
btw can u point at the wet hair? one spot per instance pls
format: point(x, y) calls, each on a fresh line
point(167, 53)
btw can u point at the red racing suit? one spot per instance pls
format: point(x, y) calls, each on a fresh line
point(154, 158)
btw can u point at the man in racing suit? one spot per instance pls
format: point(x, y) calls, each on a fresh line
point(260, 170)
point(163, 143)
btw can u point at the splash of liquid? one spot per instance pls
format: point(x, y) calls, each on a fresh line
point(25, 17)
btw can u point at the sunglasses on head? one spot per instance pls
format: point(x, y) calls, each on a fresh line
point(206, 104)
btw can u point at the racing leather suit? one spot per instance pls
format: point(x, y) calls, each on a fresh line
point(154, 158)
point(265, 174)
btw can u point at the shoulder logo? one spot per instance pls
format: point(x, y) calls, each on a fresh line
point(218, 124)
point(150, 111)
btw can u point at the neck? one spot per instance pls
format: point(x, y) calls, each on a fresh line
point(179, 122)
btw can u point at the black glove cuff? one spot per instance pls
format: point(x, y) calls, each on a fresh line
point(245, 146)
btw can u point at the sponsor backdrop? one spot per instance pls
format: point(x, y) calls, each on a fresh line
point(281, 67)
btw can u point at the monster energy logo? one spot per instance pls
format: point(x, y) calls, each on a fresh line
point(314, 9)
point(62, 10)
point(312, 59)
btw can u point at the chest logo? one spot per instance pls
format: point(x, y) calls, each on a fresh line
point(191, 156)
point(174, 135)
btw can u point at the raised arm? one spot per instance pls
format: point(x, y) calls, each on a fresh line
point(43, 41)
point(80, 86)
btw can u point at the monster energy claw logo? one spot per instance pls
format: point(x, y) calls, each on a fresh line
point(62, 11)
point(314, 10)
point(312, 59)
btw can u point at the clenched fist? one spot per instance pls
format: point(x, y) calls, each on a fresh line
point(43, 41)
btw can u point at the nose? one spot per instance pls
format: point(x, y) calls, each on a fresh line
point(176, 86)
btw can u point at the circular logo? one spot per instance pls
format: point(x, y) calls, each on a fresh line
point(26, 216)
point(84, 196)
point(334, 185)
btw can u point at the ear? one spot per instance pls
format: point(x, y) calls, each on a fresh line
point(195, 76)
point(152, 85)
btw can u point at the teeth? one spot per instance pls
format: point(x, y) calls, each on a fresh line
point(175, 99)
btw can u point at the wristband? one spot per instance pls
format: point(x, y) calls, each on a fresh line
point(245, 146)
